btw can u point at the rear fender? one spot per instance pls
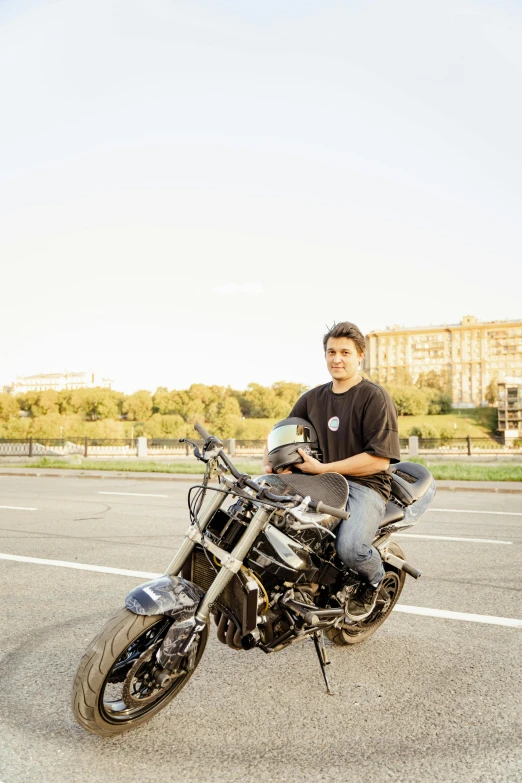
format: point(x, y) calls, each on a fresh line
point(172, 596)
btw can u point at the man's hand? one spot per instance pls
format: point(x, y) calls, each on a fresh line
point(309, 464)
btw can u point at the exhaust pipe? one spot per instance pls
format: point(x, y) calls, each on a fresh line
point(228, 633)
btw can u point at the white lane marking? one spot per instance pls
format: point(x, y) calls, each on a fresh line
point(453, 538)
point(79, 566)
point(472, 511)
point(470, 618)
point(134, 494)
point(19, 508)
point(442, 613)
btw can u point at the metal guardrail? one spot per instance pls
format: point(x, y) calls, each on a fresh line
point(466, 445)
point(166, 447)
point(64, 447)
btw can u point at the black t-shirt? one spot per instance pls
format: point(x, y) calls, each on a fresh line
point(362, 419)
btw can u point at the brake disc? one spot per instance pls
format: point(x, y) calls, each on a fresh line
point(140, 687)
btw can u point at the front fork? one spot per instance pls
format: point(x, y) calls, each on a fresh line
point(188, 544)
point(231, 563)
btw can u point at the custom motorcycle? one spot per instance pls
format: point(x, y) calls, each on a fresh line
point(259, 559)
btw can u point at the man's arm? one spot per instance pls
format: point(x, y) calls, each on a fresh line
point(363, 464)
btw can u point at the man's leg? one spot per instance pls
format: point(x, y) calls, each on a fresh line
point(354, 545)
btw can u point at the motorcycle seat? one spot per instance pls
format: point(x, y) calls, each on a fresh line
point(393, 513)
point(329, 488)
point(409, 481)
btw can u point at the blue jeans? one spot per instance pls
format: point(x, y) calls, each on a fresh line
point(355, 535)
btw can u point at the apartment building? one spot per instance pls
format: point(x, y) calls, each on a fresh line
point(58, 381)
point(469, 355)
point(510, 407)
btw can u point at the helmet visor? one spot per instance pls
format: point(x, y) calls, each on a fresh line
point(289, 433)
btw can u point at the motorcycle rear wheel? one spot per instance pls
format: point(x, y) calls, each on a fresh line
point(393, 583)
point(109, 658)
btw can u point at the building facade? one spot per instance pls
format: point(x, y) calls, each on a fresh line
point(59, 381)
point(510, 407)
point(468, 356)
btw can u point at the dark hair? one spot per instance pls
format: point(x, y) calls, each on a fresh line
point(346, 329)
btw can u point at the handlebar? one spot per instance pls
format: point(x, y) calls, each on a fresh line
point(202, 431)
point(320, 508)
point(216, 442)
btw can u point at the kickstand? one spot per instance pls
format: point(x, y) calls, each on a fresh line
point(323, 659)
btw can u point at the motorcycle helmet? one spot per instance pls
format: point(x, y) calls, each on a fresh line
point(286, 437)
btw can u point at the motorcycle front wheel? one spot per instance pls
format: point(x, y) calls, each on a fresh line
point(114, 689)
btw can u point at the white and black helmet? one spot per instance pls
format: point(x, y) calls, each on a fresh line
point(286, 437)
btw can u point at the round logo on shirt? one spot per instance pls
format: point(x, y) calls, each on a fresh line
point(333, 424)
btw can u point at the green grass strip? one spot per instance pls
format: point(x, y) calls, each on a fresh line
point(462, 471)
point(127, 466)
point(456, 471)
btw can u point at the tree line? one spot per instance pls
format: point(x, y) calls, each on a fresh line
point(102, 412)
point(106, 413)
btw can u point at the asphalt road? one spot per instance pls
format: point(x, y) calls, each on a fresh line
point(426, 698)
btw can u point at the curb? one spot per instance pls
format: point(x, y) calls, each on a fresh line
point(444, 485)
point(498, 490)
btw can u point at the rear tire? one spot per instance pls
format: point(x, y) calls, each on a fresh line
point(393, 583)
point(104, 666)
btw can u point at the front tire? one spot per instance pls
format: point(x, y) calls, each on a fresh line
point(393, 582)
point(113, 655)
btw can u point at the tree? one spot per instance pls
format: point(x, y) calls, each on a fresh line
point(165, 426)
point(225, 417)
point(39, 403)
point(408, 400)
point(189, 407)
point(253, 429)
point(262, 402)
point(138, 406)
point(289, 392)
point(69, 401)
point(434, 380)
point(438, 402)
point(161, 400)
point(98, 403)
point(16, 428)
point(423, 431)
point(105, 428)
point(272, 402)
point(402, 377)
point(47, 402)
point(27, 400)
point(47, 426)
point(492, 391)
point(8, 406)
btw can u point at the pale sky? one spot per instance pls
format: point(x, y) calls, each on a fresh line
point(191, 191)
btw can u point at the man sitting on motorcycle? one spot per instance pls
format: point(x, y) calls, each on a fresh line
point(356, 423)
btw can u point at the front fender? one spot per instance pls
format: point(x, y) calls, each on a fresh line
point(172, 596)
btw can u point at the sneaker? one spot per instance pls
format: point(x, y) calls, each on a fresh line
point(362, 603)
